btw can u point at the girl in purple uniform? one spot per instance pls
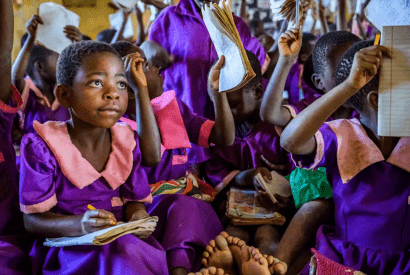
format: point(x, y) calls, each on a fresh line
point(369, 174)
point(186, 224)
point(90, 159)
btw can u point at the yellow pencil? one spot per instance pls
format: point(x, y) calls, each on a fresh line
point(90, 207)
point(377, 39)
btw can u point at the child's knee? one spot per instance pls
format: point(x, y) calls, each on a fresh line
point(266, 233)
point(239, 232)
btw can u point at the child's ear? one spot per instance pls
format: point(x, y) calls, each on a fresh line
point(258, 92)
point(63, 95)
point(38, 66)
point(373, 100)
point(317, 80)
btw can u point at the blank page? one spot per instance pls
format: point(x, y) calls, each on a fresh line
point(388, 13)
point(394, 87)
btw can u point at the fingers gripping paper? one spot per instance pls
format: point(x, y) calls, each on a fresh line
point(237, 71)
point(55, 18)
point(107, 235)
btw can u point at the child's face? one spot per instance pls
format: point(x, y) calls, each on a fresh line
point(99, 93)
point(50, 67)
point(243, 104)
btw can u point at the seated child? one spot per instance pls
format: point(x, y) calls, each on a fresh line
point(238, 164)
point(369, 174)
point(179, 127)
point(88, 160)
point(13, 241)
point(37, 88)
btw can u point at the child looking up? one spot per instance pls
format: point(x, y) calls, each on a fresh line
point(37, 89)
point(369, 174)
point(13, 259)
point(175, 120)
point(90, 159)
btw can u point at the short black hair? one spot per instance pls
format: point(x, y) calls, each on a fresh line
point(86, 37)
point(343, 72)
point(106, 35)
point(256, 67)
point(122, 47)
point(38, 53)
point(327, 43)
point(307, 75)
point(306, 38)
point(72, 58)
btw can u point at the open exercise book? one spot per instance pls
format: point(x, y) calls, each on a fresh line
point(388, 13)
point(237, 71)
point(55, 18)
point(394, 87)
point(278, 185)
point(107, 235)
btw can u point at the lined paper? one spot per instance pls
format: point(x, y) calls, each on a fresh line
point(394, 87)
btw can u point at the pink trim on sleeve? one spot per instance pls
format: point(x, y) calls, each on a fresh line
point(291, 110)
point(39, 207)
point(148, 199)
point(1, 157)
point(130, 122)
point(180, 159)
point(205, 132)
point(226, 181)
point(17, 100)
point(266, 64)
point(320, 151)
point(116, 201)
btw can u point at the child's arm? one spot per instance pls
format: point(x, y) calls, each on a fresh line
point(73, 33)
point(21, 62)
point(6, 46)
point(271, 110)
point(158, 4)
point(341, 16)
point(54, 225)
point(119, 34)
point(223, 132)
point(141, 31)
point(135, 211)
point(147, 129)
point(322, 18)
point(298, 136)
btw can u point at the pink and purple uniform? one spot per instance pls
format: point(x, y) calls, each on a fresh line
point(186, 224)
point(295, 84)
point(55, 177)
point(181, 31)
point(372, 199)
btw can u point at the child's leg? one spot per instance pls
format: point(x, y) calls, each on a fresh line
point(266, 239)
point(302, 229)
point(178, 271)
point(240, 232)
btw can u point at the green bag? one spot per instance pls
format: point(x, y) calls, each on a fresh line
point(308, 185)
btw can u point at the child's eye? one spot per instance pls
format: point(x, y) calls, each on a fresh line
point(122, 85)
point(96, 83)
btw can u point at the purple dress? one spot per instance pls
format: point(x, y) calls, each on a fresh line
point(181, 31)
point(294, 83)
point(186, 224)
point(50, 182)
point(372, 199)
point(37, 108)
point(13, 240)
point(250, 144)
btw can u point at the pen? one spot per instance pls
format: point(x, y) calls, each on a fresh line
point(90, 207)
point(377, 39)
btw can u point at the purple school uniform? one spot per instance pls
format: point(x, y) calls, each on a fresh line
point(245, 153)
point(372, 199)
point(186, 225)
point(181, 31)
point(295, 83)
point(55, 177)
point(37, 108)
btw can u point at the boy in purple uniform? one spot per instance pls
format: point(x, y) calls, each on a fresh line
point(90, 159)
point(186, 224)
point(369, 174)
point(181, 31)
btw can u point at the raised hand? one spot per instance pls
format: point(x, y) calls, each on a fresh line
point(213, 79)
point(73, 33)
point(133, 69)
point(32, 25)
point(94, 220)
point(290, 43)
point(365, 65)
point(264, 172)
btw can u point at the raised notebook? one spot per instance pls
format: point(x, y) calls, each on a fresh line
point(237, 71)
point(107, 235)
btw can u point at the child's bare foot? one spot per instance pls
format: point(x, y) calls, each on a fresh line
point(235, 245)
point(253, 263)
point(209, 271)
point(218, 255)
point(275, 265)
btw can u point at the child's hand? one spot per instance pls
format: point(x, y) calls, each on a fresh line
point(94, 220)
point(32, 25)
point(133, 69)
point(73, 33)
point(213, 80)
point(365, 65)
point(290, 43)
point(281, 202)
point(264, 172)
point(139, 215)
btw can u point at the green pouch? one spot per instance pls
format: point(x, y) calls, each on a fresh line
point(308, 185)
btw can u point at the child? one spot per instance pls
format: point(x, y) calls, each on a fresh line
point(199, 222)
point(37, 89)
point(240, 163)
point(90, 159)
point(369, 174)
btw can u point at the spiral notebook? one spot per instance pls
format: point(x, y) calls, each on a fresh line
point(237, 71)
point(394, 83)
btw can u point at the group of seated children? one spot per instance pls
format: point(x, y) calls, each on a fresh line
point(98, 129)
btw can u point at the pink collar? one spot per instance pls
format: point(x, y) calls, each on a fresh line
point(356, 151)
point(82, 174)
point(42, 99)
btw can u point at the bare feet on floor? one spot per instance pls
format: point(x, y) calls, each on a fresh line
point(276, 266)
point(253, 263)
point(218, 255)
point(235, 245)
point(209, 271)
